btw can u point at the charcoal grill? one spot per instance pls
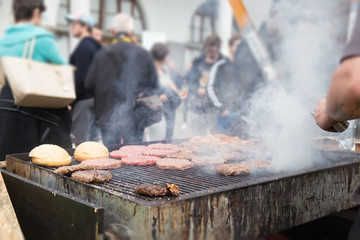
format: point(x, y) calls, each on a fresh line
point(210, 206)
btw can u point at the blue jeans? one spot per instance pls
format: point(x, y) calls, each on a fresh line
point(231, 124)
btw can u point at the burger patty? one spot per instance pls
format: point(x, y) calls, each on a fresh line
point(259, 164)
point(65, 170)
point(158, 152)
point(157, 190)
point(101, 163)
point(182, 154)
point(163, 146)
point(130, 150)
point(97, 163)
point(92, 176)
point(174, 163)
point(232, 169)
point(140, 160)
point(207, 160)
point(151, 190)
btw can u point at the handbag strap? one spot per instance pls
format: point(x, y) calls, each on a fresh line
point(29, 52)
point(2, 78)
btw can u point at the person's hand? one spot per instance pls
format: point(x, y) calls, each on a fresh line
point(69, 107)
point(183, 95)
point(201, 91)
point(224, 113)
point(322, 118)
point(164, 98)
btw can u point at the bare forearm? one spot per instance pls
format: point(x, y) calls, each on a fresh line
point(343, 99)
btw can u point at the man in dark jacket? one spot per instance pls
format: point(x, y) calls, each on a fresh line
point(119, 74)
point(205, 72)
point(82, 109)
point(224, 91)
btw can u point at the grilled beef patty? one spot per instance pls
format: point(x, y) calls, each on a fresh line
point(97, 163)
point(127, 151)
point(182, 154)
point(66, 170)
point(174, 163)
point(163, 146)
point(158, 152)
point(232, 169)
point(140, 160)
point(151, 190)
point(92, 176)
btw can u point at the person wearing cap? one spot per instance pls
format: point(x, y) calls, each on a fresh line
point(82, 108)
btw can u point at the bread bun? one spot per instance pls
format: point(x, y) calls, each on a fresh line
point(90, 150)
point(50, 155)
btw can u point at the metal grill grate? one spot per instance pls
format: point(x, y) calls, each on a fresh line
point(195, 182)
point(192, 182)
point(198, 181)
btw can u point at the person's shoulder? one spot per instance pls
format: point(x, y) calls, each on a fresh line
point(89, 43)
point(223, 59)
point(41, 33)
point(198, 60)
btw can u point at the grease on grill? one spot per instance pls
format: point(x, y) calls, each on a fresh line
point(157, 190)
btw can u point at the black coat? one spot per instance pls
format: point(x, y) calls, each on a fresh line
point(23, 128)
point(81, 58)
point(115, 89)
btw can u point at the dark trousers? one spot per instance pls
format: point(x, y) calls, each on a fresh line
point(170, 122)
point(122, 135)
point(21, 132)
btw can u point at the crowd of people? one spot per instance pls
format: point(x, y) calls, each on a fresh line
point(111, 79)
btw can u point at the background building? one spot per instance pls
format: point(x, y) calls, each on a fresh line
point(184, 23)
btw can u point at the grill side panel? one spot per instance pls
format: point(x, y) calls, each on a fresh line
point(255, 211)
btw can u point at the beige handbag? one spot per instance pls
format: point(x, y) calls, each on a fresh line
point(38, 84)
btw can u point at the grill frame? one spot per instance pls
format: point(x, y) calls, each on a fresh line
point(240, 211)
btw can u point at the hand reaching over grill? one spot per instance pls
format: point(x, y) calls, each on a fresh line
point(322, 118)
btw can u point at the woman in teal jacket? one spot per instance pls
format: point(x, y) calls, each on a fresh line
point(23, 128)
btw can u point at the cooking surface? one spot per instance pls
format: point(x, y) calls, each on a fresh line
point(209, 205)
point(195, 182)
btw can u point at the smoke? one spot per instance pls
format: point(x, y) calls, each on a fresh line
point(307, 53)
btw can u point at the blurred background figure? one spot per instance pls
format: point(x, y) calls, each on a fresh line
point(119, 74)
point(82, 109)
point(224, 93)
point(169, 91)
point(23, 128)
point(234, 43)
point(96, 33)
point(204, 69)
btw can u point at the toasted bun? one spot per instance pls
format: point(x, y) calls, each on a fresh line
point(90, 150)
point(50, 155)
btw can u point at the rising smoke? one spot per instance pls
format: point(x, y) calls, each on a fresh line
point(308, 43)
